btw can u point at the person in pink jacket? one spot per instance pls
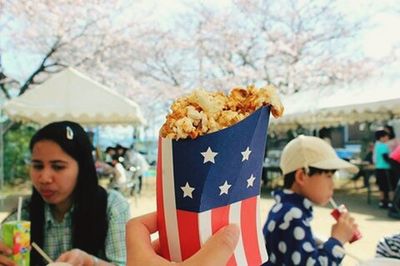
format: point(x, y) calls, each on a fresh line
point(394, 211)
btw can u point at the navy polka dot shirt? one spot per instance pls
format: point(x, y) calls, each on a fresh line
point(288, 236)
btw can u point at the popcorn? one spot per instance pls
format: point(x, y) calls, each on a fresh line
point(204, 112)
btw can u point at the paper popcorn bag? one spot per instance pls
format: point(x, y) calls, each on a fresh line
point(208, 182)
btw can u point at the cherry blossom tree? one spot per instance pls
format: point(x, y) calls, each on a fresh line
point(46, 36)
point(65, 33)
point(292, 44)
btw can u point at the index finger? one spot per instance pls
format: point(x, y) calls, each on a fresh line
point(138, 230)
point(5, 249)
point(7, 252)
point(6, 261)
point(148, 220)
point(140, 250)
point(63, 257)
point(344, 216)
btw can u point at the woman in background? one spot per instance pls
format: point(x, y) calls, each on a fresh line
point(72, 218)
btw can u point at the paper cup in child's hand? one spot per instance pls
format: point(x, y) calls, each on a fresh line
point(206, 183)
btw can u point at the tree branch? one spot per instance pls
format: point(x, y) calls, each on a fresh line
point(41, 67)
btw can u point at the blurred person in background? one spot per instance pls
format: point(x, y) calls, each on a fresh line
point(393, 142)
point(110, 153)
point(389, 247)
point(383, 174)
point(135, 159)
point(394, 211)
point(119, 177)
point(120, 153)
point(366, 171)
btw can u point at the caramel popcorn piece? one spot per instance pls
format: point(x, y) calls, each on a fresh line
point(203, 112)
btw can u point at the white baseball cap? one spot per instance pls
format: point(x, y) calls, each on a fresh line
point(308, 151)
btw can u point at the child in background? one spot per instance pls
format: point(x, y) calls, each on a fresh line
point(110, 153)
point(137, 160)
point(308, 165)
point(119, 174)
point(382, 169)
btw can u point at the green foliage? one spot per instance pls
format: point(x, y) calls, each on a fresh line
point(16, 152)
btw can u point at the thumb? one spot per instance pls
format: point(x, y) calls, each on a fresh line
point(4, 249)
point(64, 257)
point(218, 249)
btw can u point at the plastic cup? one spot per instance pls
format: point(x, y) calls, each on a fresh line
point(17, 236)
point(380, 262)
point(336, 214)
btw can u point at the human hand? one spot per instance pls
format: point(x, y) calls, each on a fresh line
point(4, 253)
point(141, 251)
point(76, 257)
point(344, 228)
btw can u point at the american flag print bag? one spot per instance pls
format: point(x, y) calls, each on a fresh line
point(206, 183)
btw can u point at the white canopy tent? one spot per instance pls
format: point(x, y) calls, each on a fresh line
point(372, 100)
point(70, 95)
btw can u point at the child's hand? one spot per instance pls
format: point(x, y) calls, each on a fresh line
point(344, 228)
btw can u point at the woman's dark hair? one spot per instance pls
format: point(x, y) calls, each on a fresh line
point(381, 133)
point(89, 218)
point(289, 178)
point(121, 150)
point(110, 149)
point(390, 131)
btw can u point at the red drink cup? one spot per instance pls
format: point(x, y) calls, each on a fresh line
point(336, 214)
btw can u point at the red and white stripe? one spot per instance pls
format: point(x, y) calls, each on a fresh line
point(182, 233)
